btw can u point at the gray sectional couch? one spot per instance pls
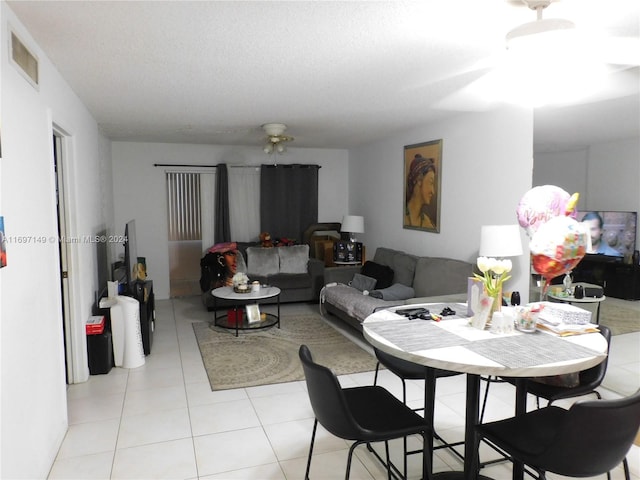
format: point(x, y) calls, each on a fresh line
point(299, 277)
point(415, 280)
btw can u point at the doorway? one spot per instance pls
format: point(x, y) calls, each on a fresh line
point(59, 152)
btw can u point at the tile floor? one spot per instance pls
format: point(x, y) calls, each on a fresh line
point(162, 421)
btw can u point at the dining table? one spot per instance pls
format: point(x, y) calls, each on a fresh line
point(452, 343)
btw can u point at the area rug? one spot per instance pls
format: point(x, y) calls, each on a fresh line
point(270, 356)
point(619, 319)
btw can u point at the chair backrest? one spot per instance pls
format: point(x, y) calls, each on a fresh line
point(327, 399)
point(402, 368)
point(595, 375)
point(595, 437)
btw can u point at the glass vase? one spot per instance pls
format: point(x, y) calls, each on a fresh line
point(496, 306)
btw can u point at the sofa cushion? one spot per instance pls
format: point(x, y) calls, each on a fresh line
point(382, 273)
point(293, 259)
point(262, 261)
point(354, 303)
point(290, 281)
point(404, 268)
point(362, 282)
point(384, 256)
point(397, 291)
point(440, 276)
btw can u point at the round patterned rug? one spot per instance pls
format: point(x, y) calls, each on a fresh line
point(271, 356)
point(619, 319)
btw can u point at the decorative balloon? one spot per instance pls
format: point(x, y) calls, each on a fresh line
point(541, 204)
point(557, 247)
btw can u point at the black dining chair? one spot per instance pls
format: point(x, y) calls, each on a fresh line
point(589, 381)
point(406, 370)
point(591, 438)
point(362, 414)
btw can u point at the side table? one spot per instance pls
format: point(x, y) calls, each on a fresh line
point(571, 299)
point(241, 300)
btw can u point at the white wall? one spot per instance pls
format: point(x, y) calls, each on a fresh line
point(564, 169)
point(34, 403)
point(607, 175)
point(140, 192)
point(487, 167)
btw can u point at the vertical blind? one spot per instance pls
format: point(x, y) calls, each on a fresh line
point(183, 196)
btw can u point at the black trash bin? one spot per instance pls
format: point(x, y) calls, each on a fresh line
point(99, 346)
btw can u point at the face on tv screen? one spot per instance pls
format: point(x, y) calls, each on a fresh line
point(612, 233)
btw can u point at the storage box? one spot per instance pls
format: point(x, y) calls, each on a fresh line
point(95, 325)
point(234, 316)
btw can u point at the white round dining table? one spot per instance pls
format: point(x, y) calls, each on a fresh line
point(453, 344)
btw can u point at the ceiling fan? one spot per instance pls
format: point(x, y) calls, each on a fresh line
point(609, 49)
point(540, 25)
point(276, 139)
point(552, 60)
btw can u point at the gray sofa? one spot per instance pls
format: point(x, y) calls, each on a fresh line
point(299, 277)
point(421, 279)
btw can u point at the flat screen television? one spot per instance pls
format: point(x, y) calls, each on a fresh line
point(130, 254)
point(613, 234)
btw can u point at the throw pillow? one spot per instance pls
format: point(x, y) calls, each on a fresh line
point(382, 273)
point(362, 282)
point(262, 261)
point(293, 259)
point(397, 291)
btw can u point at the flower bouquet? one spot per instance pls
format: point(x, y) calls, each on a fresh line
point(484, 303)
point(240, 283)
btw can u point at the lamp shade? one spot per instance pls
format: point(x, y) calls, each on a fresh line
point(500, 241)
point(352, 224)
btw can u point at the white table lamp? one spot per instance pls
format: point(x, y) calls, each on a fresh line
point(352, 224)
point(500, 241)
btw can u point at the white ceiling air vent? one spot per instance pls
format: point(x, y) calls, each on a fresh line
point(26, 62)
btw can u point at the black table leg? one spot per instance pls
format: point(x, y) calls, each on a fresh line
point(471, 438)
point(429, 409)
point(521, 409)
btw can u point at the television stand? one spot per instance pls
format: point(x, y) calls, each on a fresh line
point(619, 279)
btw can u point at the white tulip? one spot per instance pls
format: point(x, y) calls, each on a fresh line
point(485, 264)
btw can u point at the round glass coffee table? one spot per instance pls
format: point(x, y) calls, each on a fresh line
point(244, 314)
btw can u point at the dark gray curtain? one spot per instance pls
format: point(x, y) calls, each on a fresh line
point(288, 199)
point(222, 232)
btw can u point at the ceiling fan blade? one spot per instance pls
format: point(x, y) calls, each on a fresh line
point(620, 50)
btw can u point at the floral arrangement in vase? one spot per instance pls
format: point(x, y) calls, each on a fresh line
point(494, 274)
point(488, 300)
point(240, 282)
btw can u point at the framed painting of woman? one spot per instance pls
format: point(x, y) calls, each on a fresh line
point(422, 174)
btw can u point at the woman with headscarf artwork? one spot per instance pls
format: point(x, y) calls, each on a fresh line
point(421, 187)
point(218, 266)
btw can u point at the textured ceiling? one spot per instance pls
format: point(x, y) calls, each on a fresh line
point(338, 73)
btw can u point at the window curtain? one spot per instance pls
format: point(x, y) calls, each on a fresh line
point(222, 229)
point(244, 203)
point(288, 199)
point(207, 202)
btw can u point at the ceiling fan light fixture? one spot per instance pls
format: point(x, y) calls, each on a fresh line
point(274, 129)
point(276, 138)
